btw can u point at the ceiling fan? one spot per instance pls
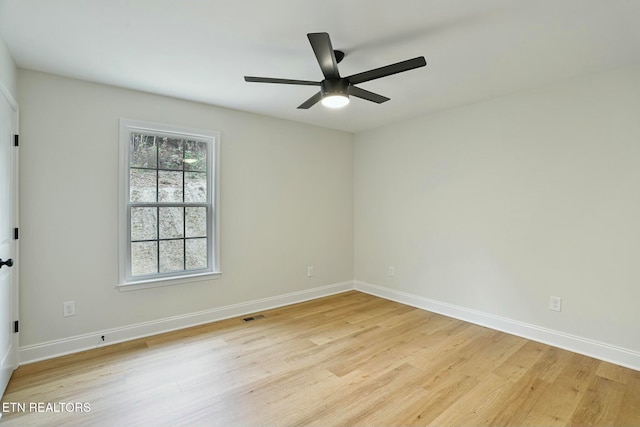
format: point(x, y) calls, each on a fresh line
point(335, 90)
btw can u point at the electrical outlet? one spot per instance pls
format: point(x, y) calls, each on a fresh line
point(391, 271)
point(555, 303)
point(310, 271)
point(69, 308)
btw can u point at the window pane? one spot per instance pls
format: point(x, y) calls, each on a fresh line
point(168, 191)
point(142, 185)
point(195, 187)
point(144, 224)
point(171, 223)
point(171, 255)
point(144, 258)
point(142, 151)
point(196, 250)
point(196, 222)
point(170, 186)
point(170, 153)
point(195, 156)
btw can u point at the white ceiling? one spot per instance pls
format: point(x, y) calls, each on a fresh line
point(201, 49)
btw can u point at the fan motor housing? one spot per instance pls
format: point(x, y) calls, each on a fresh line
point(334, 87)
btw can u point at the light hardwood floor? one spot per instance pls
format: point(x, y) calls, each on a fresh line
point(348, 359)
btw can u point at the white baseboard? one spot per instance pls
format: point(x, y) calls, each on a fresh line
point(588, 347)
point(576, 344)
point(50, 349)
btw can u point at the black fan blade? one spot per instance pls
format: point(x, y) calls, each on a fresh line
point(311, 101)
point(281, 81)
point(388, 70)
point(365, 94)
point(321, 44)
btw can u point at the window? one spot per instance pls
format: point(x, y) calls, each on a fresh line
point(168, 203)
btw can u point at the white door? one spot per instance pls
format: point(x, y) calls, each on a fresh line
point(8, 244)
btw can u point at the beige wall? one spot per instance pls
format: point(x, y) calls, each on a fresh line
point(497, 206)
point(492, 207)
point(287, 202)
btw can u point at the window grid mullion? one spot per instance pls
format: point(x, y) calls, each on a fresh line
point(155, 141)
point(166, 205)
point(167, 239)
point(184, 213)
point(158, 239)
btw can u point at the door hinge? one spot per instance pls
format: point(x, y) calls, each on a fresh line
point(16, 327)
point(16, 234)
point(16, 140)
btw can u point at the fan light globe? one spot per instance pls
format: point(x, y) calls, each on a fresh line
point(335, 101)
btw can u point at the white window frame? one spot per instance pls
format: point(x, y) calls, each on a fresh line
point(125, 280)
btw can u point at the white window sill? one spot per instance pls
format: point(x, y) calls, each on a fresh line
point(168, 281)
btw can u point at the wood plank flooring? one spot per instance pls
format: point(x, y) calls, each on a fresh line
point(345, 360)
